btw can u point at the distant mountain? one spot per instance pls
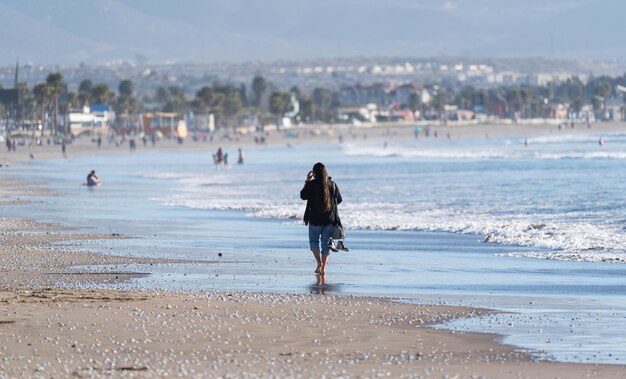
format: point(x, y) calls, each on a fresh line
point(96, 31)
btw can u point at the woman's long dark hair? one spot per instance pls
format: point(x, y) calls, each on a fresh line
point(319, 170)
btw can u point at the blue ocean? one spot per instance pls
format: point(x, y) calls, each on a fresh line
point(534, 227)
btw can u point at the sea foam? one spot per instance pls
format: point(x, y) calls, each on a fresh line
point(564, 197)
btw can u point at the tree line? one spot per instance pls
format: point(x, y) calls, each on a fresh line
point(41, 106)
point(43, 103)
point(524, 101)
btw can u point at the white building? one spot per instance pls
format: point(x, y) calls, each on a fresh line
point(94, 116)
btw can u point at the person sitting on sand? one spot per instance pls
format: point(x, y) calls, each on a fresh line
point(92, 179)
point(322, 196)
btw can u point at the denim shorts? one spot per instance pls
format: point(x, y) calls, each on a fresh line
point(320, 232)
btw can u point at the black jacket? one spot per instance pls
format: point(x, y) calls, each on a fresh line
point(314, 195)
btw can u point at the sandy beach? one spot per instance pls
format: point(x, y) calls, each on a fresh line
point(55, 322)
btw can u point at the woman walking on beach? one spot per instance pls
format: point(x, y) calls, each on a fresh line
point(322, 196)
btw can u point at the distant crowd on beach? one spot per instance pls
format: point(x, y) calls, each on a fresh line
point(132, 140)
point(13, 143)
point(222, 159)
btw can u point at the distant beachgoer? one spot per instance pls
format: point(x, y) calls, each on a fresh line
point(63, 149)
point(601, 141)
point(9, 145)
point(132, 144)
point(92, 179)
point(525, 141)
point(99, 141)
point(14, 145)
point(226, 160)
point(219, 157)
point(240, 159)
point(322, 196)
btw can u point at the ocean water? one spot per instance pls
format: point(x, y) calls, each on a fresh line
point(537, 230)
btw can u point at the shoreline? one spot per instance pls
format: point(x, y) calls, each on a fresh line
point(47, 330)
point(311, 134)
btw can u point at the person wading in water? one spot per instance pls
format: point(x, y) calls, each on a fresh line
point(322, 196)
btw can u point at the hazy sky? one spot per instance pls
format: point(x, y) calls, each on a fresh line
point(70, 31)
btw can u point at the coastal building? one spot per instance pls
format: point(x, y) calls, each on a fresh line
point(128, 123)
point(95, 116)
point(382, 94)
point(613, 109)
point(586, 114)
point(202, 122)
point(358, 115)
point(164, 123)
point(402, 94)
point(559, 111)
point(360, 95)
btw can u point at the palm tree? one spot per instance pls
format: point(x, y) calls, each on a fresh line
point(101, 94)
point(259, 86)
point(204, 99)
point(84, 92)
point(232, 105)
point(280, 102)
point(126, 104)
point(26, 106)
point(65, 107)
point(55, 84)
point(41, 92)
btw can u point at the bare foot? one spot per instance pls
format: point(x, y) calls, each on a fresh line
point(317, 270)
